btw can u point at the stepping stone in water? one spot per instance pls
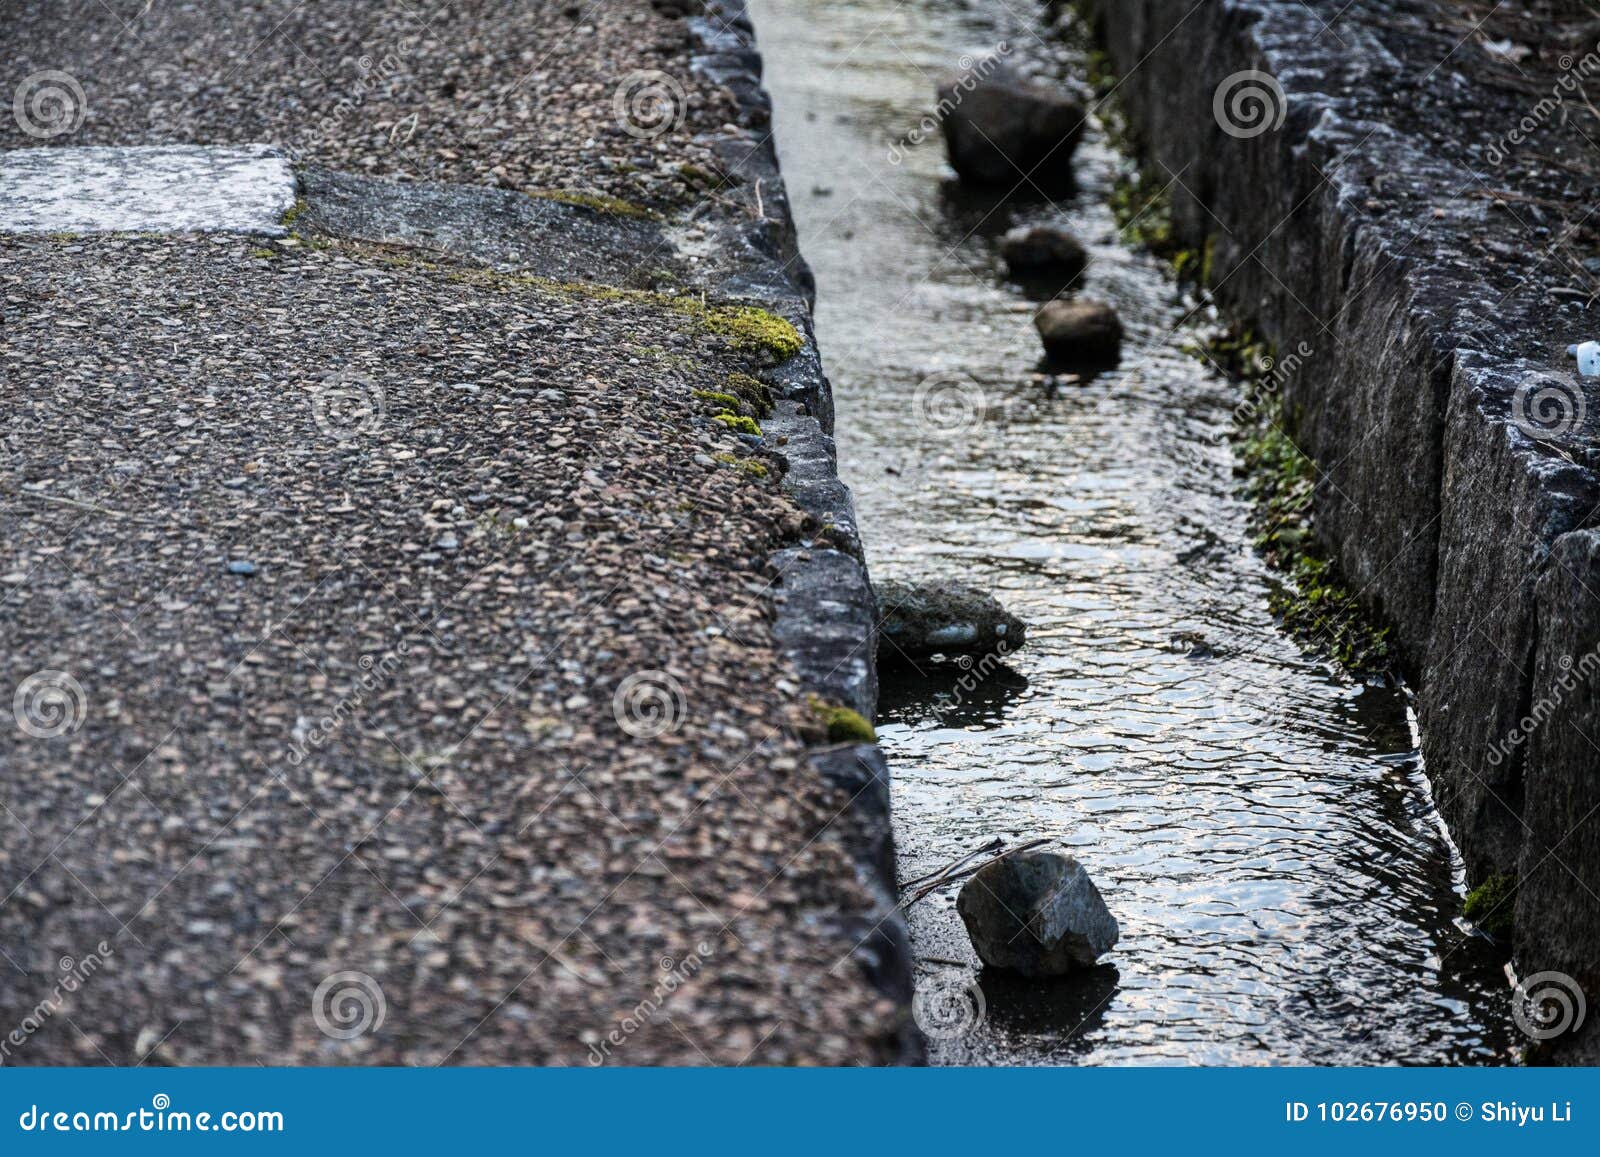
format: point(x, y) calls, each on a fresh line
point(147, 189)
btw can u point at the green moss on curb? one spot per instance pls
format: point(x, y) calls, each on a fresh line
point(844, 725)
point(751, 466)
point(738, 423)
point(1492, 906)
point(750, 328)
point(598, 202)
point(720, 400)
point(754, 391)
point(747, 328)
point(292, 214)
point(1314, 603)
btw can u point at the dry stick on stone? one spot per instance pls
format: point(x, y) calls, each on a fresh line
point(953, 872)
point(995, 845)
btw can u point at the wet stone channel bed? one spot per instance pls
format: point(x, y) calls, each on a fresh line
point(1261, 828)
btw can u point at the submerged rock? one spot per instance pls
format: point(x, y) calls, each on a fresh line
point(999, 128)
point(1044, 249)
point(1036, 913)
point(921, 620)
point(1080, 330)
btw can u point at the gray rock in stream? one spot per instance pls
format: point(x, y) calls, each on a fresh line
point(1036, 249)
point(1001, 129)
point(1080, 330)
point(1037, 913)
point(921, 620)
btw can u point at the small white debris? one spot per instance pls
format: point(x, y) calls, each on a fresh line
point(1588, 355)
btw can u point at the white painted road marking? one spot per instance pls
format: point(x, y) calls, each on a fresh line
point(146, 189)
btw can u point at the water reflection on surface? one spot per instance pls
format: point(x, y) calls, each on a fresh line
point(1261, 830)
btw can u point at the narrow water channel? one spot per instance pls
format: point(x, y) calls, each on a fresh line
point(1261, 829)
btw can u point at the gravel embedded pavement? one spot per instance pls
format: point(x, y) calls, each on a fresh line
point(389, 638)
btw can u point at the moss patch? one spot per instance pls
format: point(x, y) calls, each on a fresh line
point(748, 328)
point(1492, 906)
point(842, 724)
point(738, 423)
point(751, 466)
point(598, 202)
point(720, 400)
point(1316, 605)
point(753, 391)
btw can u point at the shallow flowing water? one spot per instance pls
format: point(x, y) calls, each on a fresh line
point(1261, 829)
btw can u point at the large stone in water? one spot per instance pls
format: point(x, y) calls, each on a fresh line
point(1035, 249)
point(920, 620)
point(146, 189)
point(1036, 913)
point(1080, 331)
point(1002, 129)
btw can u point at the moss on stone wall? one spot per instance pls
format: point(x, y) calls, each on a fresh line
point(1492, 906)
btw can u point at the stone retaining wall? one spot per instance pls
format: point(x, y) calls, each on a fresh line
point(1344, 229)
